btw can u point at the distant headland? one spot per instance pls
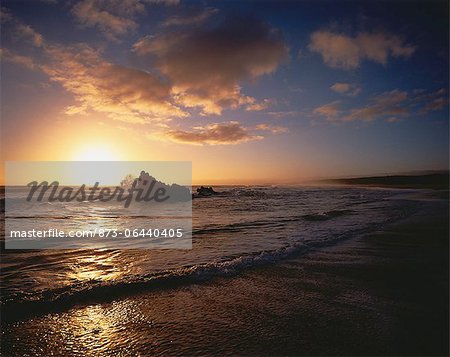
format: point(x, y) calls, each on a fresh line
point(437, 181)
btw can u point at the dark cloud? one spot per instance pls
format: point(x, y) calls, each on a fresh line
point(206, 66)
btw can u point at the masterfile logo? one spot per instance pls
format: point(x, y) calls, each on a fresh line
point(98, 205)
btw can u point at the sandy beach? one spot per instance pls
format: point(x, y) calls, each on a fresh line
point(384, 293)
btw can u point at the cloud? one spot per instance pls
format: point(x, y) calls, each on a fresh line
point(121, 92)
point(391, 106)
point(436, 104)
point(28, 33)
point(423, 95)
point(392, 98)
point(258, 106)
point(215, 61)
point(21, 31)
point(5, 15)
point(346, 88)
point(214, 134)
point(273, 129)
point(388, 104)
point(191, 19)
point(382, 105)
point(163, 2)
point(393, 120)
point(340, 87)
point(347, 52)
point(283, 114)
point(370, 113)
point(135, 96)
point(111, 17)
point(431, 101)
point(330, 110)
point(25, 61)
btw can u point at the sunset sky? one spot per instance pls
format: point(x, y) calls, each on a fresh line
point(250, 91)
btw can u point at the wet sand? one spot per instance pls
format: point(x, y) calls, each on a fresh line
point(384, 293)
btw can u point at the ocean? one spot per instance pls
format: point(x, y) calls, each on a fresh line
point(241, 228)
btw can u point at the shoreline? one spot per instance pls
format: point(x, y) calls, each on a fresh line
point(383, 293)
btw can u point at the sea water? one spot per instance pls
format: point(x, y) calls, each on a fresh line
point(240, 228)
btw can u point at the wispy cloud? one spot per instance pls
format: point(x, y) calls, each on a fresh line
point(5, 15)
point(436, 104)
point(28, 33)
point(21, 31)
point(271, 128)
point(25, 61)
point(258, 106)
point(215, 61)
point(113, 18)
point(346, 88)
point(393, 120)
point(431, 101)
point(330, 110)
point(391, 106)
point(381, 106)
point(190, 19)
point(347, 52)
point(283, 114)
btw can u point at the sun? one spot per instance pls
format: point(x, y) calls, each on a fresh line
point(96, 153)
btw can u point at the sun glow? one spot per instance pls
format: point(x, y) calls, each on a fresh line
point(96, 153)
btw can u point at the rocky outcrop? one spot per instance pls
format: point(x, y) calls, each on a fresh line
point(146, 182)
point(206, 191)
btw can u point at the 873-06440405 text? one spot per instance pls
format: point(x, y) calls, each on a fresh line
point(100, 232)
